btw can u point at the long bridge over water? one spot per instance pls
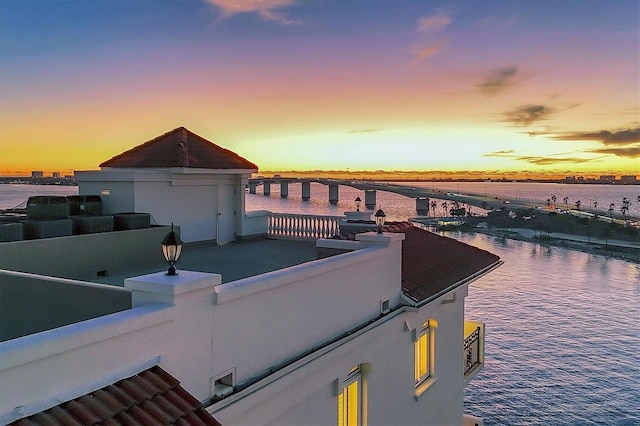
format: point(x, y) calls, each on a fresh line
point(421, 195)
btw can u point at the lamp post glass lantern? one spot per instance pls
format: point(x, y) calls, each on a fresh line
point(380, 218)
point(358, 201)
point(171, 249)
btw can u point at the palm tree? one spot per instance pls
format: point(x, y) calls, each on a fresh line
point(625, 206)
point(548, 203)
point(444, 206)
point(595, 205)
point(434, 204)
point(566, 202)
point(611, 206)
point(578, 203)
point(554, 198)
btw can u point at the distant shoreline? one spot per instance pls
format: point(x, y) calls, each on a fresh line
point(622, 253)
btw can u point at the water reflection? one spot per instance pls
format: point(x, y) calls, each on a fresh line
point(562, 337)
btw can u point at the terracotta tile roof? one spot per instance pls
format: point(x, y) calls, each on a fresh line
point(152, 397)
point(432, 263)
point(180, 148)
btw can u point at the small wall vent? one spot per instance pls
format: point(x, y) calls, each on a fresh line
point(385, 306)
point(223, 385)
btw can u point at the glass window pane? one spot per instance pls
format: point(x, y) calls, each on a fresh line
point(352, 404)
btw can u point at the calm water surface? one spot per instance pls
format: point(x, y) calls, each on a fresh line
point(562, 337)
point(562, 327)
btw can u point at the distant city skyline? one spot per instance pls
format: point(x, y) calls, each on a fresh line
point(534, 89)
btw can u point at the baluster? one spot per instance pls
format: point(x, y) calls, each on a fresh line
point(292, 227)
point(307, 227)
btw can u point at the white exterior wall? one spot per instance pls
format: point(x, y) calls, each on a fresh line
point(187, 197)
point(307, 392)
point(285, 315)
point(199, 329)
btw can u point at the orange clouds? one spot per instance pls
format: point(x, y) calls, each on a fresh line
point(266, 9)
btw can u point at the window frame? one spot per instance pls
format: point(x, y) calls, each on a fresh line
point(424, 357)
point(347, 416)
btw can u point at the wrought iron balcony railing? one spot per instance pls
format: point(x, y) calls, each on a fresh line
point(473, 355)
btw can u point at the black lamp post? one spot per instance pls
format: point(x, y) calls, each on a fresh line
point(358, 201)
point(380, 218)
point(171, 248)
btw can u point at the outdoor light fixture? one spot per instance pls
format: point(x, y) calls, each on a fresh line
point(171, 248)
point(358, 201)
point(380, 217)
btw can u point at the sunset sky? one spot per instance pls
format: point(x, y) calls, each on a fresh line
point(533, 86)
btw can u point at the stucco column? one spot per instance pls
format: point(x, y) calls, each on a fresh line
point(252, 187)
point(189, 347)
point(284, 189)
point(422, 206)
point(370, 198)
point(333, 194)
point(306, 191)
point(266, 189)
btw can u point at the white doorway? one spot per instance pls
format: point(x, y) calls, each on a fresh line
point(226, 231)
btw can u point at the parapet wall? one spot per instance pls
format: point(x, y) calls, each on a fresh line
point(84, 257)
point(31, 303)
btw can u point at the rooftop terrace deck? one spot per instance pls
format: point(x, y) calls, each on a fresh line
point(234, 261)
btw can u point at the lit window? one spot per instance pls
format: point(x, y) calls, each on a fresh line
point(349, 400)
point(423, 348)
point(422, 357)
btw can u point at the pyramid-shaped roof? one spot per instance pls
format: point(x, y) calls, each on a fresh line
point(180, 148)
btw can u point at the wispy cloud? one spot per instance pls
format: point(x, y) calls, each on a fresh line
point(526, 115)
point(268, 10)
point(422, 53)
point(550, 161)
point(540, 160)
point(364, 130)
point(606, 137)
point(500, 153)
point(498, 80)
point(633, 152)
point(429, 24)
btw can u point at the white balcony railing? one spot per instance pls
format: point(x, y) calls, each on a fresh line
point(302, 226)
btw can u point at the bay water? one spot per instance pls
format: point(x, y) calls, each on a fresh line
point(562, 326)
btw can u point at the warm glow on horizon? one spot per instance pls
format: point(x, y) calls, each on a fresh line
point(535, 91)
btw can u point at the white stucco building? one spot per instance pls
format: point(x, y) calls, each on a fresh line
point(369, 329)
point(180, 177)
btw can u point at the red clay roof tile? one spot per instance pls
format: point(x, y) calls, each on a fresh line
point(432, 263)
point(148, 398)
point(180, 148)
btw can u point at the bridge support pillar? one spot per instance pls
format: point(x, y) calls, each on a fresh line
point(252, 187)
point(370, 198)
point(306, 191)
point(333, 194)
point(284, 189)
point(422, 206)
point(266, 189)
